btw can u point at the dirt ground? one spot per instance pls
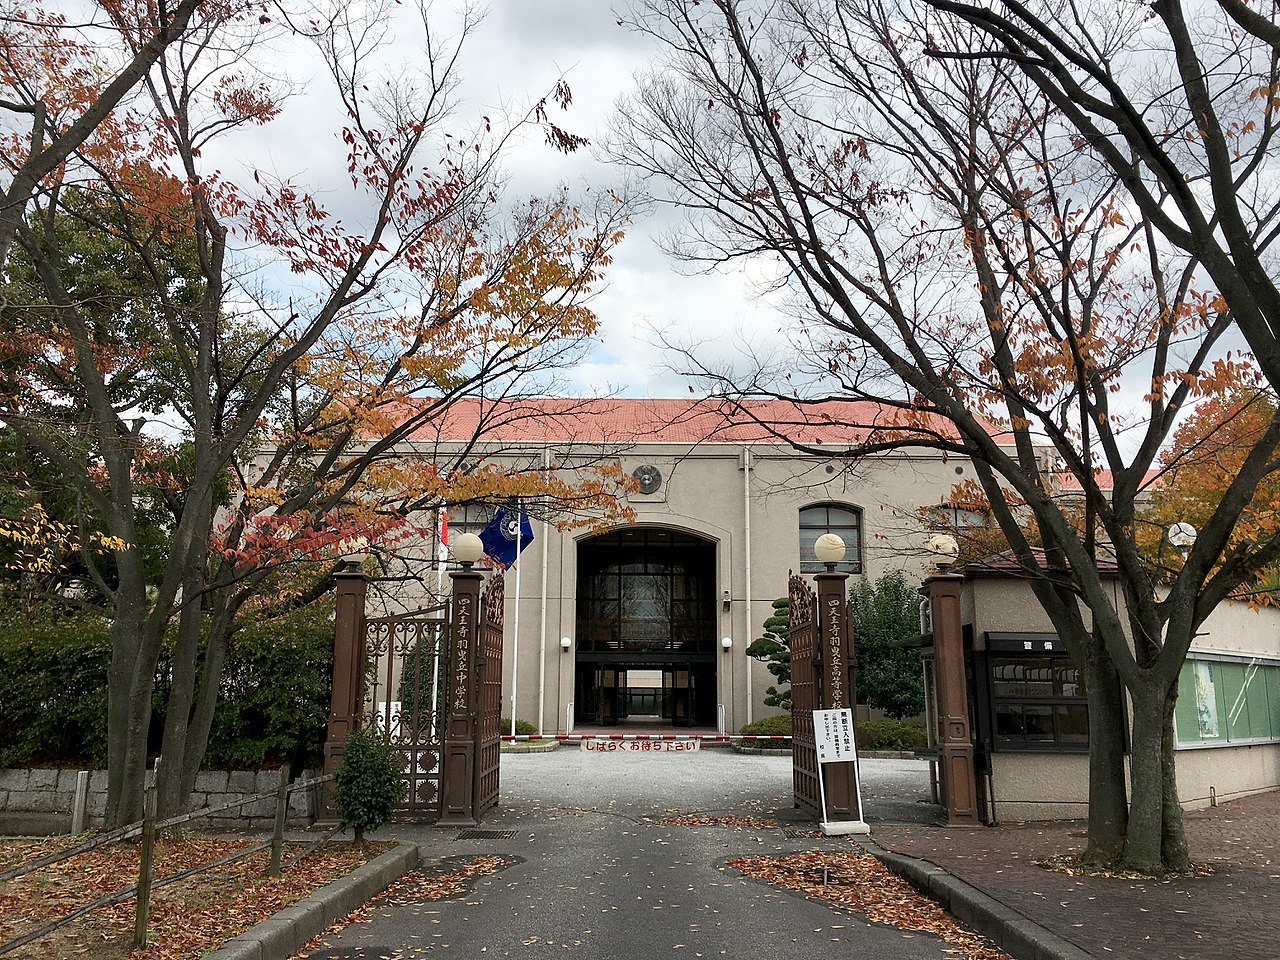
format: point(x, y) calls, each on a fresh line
point(187, 918)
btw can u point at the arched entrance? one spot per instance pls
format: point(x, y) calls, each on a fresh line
point(646, 628)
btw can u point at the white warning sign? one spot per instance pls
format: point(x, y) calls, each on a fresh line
point(833, 732)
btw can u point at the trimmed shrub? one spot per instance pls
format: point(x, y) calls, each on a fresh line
point(891, 735)
point(779, 726)
point(773, 649)
point(370, 783)
point(523, 727)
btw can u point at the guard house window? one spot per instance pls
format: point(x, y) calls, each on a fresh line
point(845, 522)
point(1037, 693)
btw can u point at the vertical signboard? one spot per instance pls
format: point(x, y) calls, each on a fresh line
point(833, 736)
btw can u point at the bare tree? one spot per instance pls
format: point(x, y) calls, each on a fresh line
point(1179, 100)
point(957, 258)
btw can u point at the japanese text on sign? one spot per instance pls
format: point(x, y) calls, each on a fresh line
point(639, 746)
point(833, 734)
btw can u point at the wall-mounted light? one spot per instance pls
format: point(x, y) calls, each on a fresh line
point(726, 643)
point(565, 644)
point(466, 548)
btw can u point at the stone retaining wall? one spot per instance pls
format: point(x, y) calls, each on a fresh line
point(41, 800)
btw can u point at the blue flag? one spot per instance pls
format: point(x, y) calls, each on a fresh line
point(499, 537)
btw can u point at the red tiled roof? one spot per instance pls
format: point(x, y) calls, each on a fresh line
point(710, 420)
point(1106, 481)
point(1006, 563)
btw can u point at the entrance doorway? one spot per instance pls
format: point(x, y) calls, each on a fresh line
point(646, 645)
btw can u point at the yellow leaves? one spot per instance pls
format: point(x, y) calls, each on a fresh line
point(42, 544)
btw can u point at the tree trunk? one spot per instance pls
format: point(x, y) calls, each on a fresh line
point(206, 702)
point(171, 799)
point(1108, 796)
point(1144, 840)
point(128, 716)
point(1175, 854)
point(136, 689)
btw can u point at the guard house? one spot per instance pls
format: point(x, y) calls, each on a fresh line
point(1028, 720)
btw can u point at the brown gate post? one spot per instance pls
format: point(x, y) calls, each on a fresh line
point(955, 749)
point(347, 696)
point(836, 686)
point(458, 763)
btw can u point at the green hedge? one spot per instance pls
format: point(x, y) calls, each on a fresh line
point(53, 692)
point(275, 693)
point(891, 735)
point(523, 727)
point(871, 734)
point(778, 726)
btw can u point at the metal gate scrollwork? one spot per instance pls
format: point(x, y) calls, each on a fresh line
point(405, 658)
point(489, 668)
point(805, 694)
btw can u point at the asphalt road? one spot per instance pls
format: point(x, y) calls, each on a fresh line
point(594, 873)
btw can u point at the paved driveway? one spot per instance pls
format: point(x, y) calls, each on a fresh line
point(595, 873)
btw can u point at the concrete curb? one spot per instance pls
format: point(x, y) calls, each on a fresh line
point(530, 746)
point(276, 937)
point(1019, 936)
point(761, 751)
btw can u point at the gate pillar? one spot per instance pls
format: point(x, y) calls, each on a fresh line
point(347, 696)
point(955, 749)
point(833, 664)
point(458, 764)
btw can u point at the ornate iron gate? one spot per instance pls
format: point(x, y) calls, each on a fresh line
point(805, 657)
point(405, 660)
point(489, 700)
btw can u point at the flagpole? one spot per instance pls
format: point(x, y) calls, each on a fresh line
point(515, 653)
point(442, 558)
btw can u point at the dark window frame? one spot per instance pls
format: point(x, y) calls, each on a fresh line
point(818, 526)
point(1047, 649)
point(677, 570)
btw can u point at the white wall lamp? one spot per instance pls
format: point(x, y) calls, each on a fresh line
point(726, 644)
point(565, 644)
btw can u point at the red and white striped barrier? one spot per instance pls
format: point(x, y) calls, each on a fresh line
point(579, 737)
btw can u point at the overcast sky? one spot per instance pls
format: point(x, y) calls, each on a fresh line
point(515, 57)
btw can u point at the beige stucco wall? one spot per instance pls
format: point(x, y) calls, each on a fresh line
point(705, 491)
point(1040, 786)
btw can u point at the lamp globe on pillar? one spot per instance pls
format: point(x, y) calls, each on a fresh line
point(467, 549)
point(829, 549)
point(943, 550)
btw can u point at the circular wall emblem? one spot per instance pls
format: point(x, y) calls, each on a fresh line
point(649, 478)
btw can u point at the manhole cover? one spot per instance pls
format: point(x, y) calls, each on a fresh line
point(486, 835)
point(799, 833)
